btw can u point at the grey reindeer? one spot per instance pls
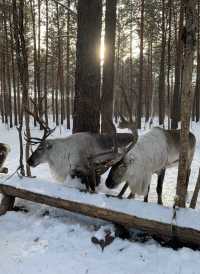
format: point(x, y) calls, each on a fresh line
point(83, 155)
point(153, 153)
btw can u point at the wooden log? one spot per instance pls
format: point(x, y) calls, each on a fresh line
point(159, 227)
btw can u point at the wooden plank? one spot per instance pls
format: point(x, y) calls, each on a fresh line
point(185, 235)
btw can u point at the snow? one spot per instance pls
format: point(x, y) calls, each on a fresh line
point(53, 241)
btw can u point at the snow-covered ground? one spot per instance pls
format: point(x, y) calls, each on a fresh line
point(52, 241)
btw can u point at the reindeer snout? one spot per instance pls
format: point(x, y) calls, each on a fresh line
point(110, 182)
point(30, 162)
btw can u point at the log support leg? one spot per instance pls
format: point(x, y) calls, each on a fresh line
point(7, 203)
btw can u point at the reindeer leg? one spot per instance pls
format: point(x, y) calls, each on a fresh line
point(7, 203)
point(160, 186)
point(147, 195)
point(131, 196)
point(98, 179)
point(4, 170)
point(85, 181)
point(122, 191)
point(89, 181)
point(92, 180)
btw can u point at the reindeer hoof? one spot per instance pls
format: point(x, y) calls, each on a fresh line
point(4, 170)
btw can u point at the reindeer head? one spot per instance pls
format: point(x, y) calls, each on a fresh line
point(118, 166)
point(115, 160)
point(116, 174)
point(40, 155)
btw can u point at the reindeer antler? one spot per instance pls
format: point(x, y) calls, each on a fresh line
point(132, 125)
point(47, 130)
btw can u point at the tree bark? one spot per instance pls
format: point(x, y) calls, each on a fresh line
point(46, 66)
point(22, 62)
point(175, 113)
point(87, 76)
point(39, 92)
point(169, 60)
point(197, 87)
point(108, 67)
point(13, 71)
point(186, 100)
point(67, 68)
point(8, 74)
point(140, 91)
point(161, 87)
point(35, 64)
point(60, 76)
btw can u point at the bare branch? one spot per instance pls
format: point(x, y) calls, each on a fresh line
point(47, 131)
point(70, 10)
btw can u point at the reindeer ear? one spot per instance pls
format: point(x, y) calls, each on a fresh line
point(48, 145)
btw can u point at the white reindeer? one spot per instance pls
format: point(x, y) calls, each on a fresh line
point(153, 153)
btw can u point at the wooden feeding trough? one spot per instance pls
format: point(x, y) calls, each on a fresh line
point(154, 219)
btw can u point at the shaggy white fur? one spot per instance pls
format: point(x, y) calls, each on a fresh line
point(72, 155)
point(68, 154)
point(150, 154)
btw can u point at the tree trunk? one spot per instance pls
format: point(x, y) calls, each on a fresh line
point(186, 100)
point(60, 66)
point(161, 86)
point(13, 71)
point(169, 60)
point(108, 67)
point(148, 97)
point(38, 61)
point(175, 113)
point(87, 77)
point(140, 94)
point(67, 69)
point(5, 89)
point(46, 65)
point(7, 47)
point(22, 62)
point(35, 64)
point(197, 87)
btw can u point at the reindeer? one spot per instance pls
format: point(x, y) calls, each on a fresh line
point(80, 155)
point(153, 153)
point(4, 150)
